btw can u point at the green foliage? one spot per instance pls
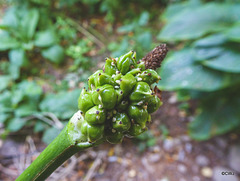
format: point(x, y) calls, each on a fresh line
point(208, 67)
point(140, 38)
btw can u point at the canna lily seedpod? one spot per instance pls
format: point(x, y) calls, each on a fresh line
point(135, 130)
point(114, 137)
point(149, 76)
point(121, 122)
point(127, 82)
point(85, 101)
point(95, 115)
point(125, 61)
point(141, 93)
point(110, 66)
point(153, 104)
point(138, 115)
point(106, 96)
point(91, 79)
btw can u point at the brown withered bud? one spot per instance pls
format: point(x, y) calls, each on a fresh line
point(154, 58)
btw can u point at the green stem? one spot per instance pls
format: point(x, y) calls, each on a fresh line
point(63, 147)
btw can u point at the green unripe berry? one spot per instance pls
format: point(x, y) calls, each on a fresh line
point(95, 116)
point(114, 137)
point(110, 66)
point(153, 104)
point(85, 101)
point(141, 65)
point(106, 96)
point(119, 95)
point(102, 79)
point(138, 115)
point(134, 71)
point(91, 79)
point(95, 132)
point(121, 122)
point(123, 105)
point(135, 130)
point(124, 62)
point(149, 76)
point(127, 82)
point(141, 93)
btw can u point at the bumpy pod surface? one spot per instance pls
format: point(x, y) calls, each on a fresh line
point(119, 100)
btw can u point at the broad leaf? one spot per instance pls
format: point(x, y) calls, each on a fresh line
point(193, 23)
point(45, 38)
point(54, 54)
point(5, 81)
point(233, 33)
point(16, 124)
point(7, 43)
point(145, 39)
point(218, 115)
point(180, 71)
point(18, 57)
point(62, 104)
point(30, 22)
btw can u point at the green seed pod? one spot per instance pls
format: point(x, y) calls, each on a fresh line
point(135, 130)
point(153, 104)
point(141, 65)
point(123, 105)
point(95, 115)
point(91, 79)
point(85, 101)
point(121, 122)
point(149, 76)
point(110, 66)
point(102, 79)
point(141, 93)
point(114, 137)
point(138, 115)
point(95, 132)
point(117, 77)
point(127, 82)
point(125, 61)
point(106, 96)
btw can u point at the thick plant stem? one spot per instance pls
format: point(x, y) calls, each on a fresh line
point(56, 153)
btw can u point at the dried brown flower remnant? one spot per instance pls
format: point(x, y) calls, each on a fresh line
point(154, 58)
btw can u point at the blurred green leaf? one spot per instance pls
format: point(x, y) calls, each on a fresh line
point(45, 38)
point(62, 104)
point(145, 39)
point(144, 17)
point(192, 24)
point(18, 57)
point(7, 43)
point(233, 33)
point(180, 71)
point(5, 81)
point(29, 22)
point(16, 124)
point(26, 109)
point(219, 114)
point(54, 54)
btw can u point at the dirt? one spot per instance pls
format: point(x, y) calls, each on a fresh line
point(174, 157)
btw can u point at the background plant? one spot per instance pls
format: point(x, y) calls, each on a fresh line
point(207, 65)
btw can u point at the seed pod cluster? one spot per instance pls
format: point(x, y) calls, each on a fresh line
point(119, 99)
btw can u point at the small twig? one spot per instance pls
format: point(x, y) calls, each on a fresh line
point(95, 164)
